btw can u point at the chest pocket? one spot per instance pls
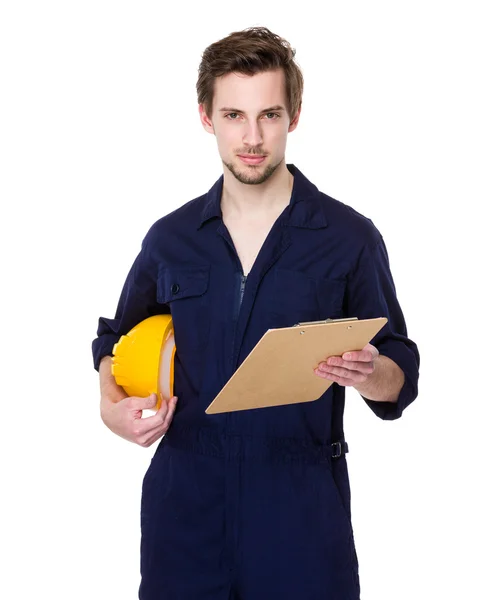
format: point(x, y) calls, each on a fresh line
point(184, 290)
point(299, 297)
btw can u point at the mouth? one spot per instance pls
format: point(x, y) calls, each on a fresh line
point(252, 160)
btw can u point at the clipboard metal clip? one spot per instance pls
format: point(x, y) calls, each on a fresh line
point(325, 321)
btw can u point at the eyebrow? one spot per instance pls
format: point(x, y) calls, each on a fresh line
point(270, 109)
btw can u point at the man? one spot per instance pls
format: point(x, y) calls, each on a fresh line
point(254, 504)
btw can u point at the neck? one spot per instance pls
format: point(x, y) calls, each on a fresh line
point(251, 201)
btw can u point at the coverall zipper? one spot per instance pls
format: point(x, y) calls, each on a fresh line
point(242, 291)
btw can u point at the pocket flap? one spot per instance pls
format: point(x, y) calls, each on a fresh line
point(175, 284)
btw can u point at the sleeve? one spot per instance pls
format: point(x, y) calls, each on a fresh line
point(136, 302)
point(371, 293)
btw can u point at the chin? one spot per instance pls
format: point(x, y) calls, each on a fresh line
point(251, 174)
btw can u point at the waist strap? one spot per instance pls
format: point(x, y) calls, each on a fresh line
point(232, 446)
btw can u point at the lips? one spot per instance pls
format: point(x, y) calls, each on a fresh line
point(252, 160)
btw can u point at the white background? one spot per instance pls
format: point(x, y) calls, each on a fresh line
point(100, 137)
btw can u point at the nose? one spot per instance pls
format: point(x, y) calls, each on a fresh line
point(252, 134)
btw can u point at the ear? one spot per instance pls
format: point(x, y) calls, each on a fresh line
point(205, 121)
point(294, 122)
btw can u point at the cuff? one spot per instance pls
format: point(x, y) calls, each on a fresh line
point(102, 346)
point(408, 361)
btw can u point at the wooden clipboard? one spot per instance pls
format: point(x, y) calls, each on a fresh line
point(279, 369)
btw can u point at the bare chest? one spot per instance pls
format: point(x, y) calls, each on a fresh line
point(248, 240)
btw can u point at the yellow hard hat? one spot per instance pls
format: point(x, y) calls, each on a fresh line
point(143, 359)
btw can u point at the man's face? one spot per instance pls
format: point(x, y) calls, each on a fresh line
point(250, 118)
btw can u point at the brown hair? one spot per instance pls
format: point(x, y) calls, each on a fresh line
point(250, 51)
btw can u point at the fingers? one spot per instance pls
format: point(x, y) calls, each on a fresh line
point(152, 440)
point(368, 354)
point(342, 367)
point(151, 436)
point(351, 368)
point(170, 412)
point(339, 380)
point(352, 373)
point(162, 417)
point(149, 429)
point(147, 403)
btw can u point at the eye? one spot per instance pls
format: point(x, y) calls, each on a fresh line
point(271, 116)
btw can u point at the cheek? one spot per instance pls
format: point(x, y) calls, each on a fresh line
point(227, 140)
point(225, 147)
point(276, 137)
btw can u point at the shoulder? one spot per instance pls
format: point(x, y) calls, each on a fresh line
point(347, 222)
point(185, 218)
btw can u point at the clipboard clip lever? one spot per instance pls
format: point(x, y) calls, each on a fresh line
point(326, 321)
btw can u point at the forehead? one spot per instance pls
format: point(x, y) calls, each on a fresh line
point(250, 92)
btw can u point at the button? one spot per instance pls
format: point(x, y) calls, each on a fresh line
point(175, 288)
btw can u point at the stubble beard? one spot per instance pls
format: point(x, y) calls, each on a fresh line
point(252, 176)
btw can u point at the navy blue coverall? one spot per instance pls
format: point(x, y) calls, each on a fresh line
point(255, 505)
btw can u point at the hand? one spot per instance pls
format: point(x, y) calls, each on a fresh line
point(353, 368)
point(124, 418)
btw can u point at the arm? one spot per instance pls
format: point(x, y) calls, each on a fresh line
point(110, 392)
point(372, 293)
point(386, 371)
point(375, 377)
point(120, 413)
point(385, 383)
point(137, 301)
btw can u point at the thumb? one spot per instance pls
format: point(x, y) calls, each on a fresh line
point(152, 400)
point(146, 402)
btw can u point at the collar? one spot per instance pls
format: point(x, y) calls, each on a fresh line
point(305, 208)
